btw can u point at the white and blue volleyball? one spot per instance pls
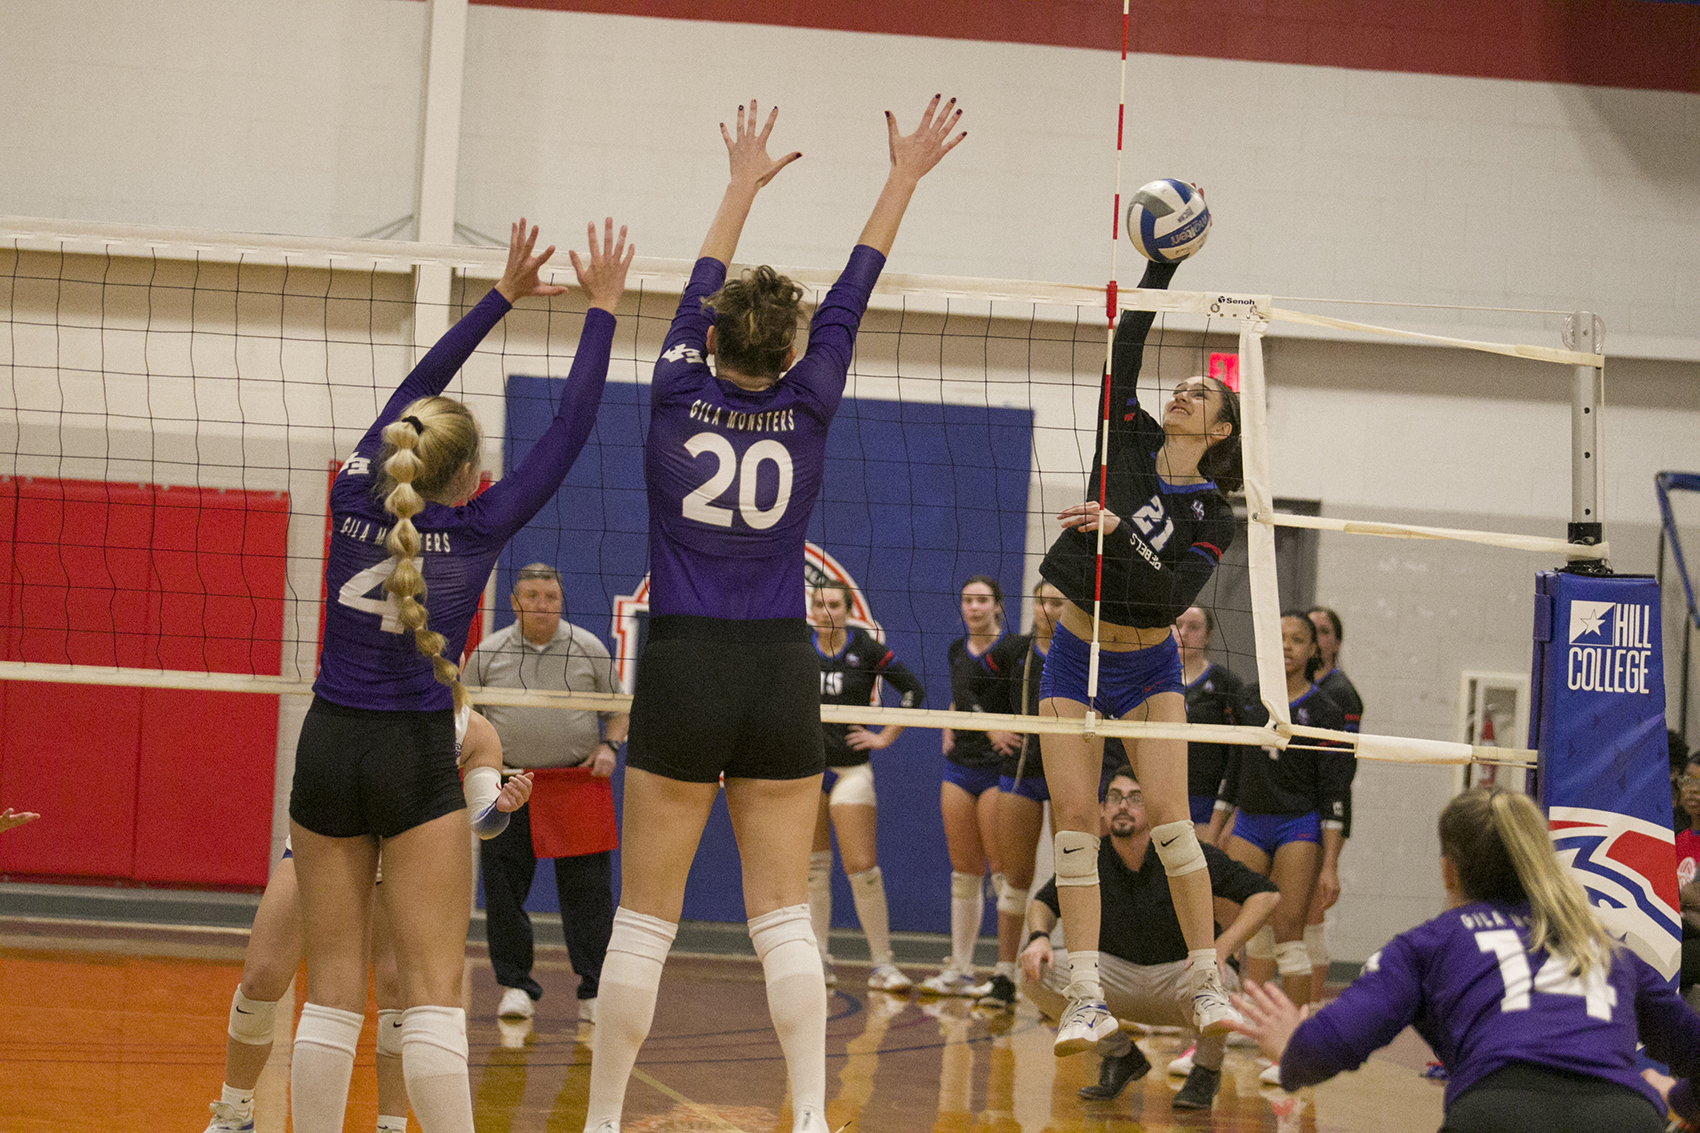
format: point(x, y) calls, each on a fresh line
point(1168, 220)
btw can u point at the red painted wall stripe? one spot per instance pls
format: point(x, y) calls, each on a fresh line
point(1642, 44)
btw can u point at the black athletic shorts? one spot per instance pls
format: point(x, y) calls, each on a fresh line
point(716, 695)
point(360, 771)
point(1525, 1098)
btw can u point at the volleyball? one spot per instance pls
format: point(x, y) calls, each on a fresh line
point(1168, 220)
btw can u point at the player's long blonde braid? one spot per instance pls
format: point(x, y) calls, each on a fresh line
point(426, 449)
point(1499, 844)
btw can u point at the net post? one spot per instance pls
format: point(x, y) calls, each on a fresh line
point(1583, 332)
point(1260, 523)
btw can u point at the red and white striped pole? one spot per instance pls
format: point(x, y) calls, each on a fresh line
point(1110, 304)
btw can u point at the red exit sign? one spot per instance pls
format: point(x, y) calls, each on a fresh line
point(1225, 368)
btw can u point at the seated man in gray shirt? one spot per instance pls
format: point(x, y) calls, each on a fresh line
point(570, 818)
point(1142, 952)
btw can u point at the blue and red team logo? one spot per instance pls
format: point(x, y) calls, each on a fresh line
point(818, 567)
point(1628, 867)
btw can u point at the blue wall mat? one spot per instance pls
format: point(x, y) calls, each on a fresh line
point(917, 498)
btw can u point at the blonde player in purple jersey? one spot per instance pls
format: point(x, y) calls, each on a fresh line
point(728, 682)
point(1524, 995)
point(375, 760)
point(274, 953)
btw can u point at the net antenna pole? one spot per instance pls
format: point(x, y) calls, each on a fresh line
point(1111, 302)
point(1585, 332)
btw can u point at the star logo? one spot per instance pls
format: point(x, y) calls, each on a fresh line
point(1585, 618)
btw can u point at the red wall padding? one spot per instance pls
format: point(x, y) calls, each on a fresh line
point(161, 786)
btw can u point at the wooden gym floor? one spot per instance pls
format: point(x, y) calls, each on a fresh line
point(121, 1028)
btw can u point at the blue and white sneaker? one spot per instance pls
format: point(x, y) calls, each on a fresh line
point(1084, 1023)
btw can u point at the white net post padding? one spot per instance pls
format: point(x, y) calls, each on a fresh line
point(1260, 532)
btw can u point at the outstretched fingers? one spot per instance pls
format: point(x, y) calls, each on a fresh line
point(603, 278)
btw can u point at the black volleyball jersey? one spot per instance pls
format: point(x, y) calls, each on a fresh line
point(852, 676)
point(1216, 697)
point(1297, 780)
point(990, 682)
point(1171, 536)
point(1343, 693)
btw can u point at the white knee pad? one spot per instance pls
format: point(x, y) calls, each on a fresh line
point(1316, 944)
point(855, 786)
point(1076, 857)
point(1261, 946)
point(998, 882)
point(389, 1031)
point(643, 935)
point(435, 1040)
point(1012, 901)
point(1178, 848)
point(782, 926)
point(1291, 958)
point(251, 1019)
point(964, 886)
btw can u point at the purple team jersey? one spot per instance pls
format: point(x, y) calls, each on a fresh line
point(1466, 983)
point(733, 474)
point(368, 660)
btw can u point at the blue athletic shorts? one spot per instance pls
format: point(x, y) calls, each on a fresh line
point(975, 780)
point(1125, 680)
point(1202, 807)
point(1028, 787)
point(1269, 832)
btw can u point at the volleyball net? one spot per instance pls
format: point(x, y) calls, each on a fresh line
point(174, 404)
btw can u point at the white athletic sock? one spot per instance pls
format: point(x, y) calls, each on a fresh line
point(1006, 969)
point(241, 1099)
point(320, 1066)
point(1083, 976)
point(868, 888)
point(637, 948)
point(820, 897)
point(1200, 963)
point(433, 1061)
point(967, 907)
point(796, 998)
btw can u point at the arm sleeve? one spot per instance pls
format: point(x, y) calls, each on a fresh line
point(1365, 1017)
point(1199, 563)
point(1127, 355)
point(832, 332)
point(513, 500)
point(897, 675)
point(1232, 881)
point(687, 338)
point(1670, 1030)
point(1335, 769)
point(440, 363)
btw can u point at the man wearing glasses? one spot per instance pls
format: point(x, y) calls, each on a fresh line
point(1142, 952)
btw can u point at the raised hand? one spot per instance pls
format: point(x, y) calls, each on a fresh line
point(913, 155)
point(520, 279)
point(748, 150)
point(603, 280)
